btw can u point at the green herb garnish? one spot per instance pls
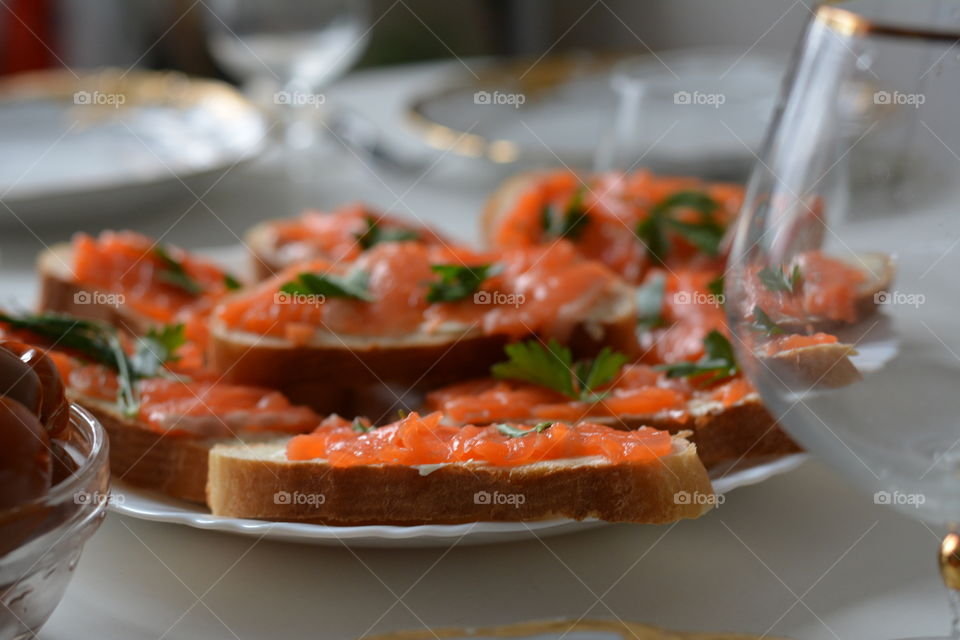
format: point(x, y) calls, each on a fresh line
point(361, 426)
point(715, 286)
point(175, 274)
point(718, 359)
point(354, 286)
point(156, 349)
point(568, 223)
point(375, 234)
point(101, 344)
point(705, 235)
point(649, 299)
point(553, 367)
point(514, 432)
point(231, 283)
point(777, 279)
point(457, 281)
point(763, 322)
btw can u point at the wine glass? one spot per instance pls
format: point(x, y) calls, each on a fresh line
point(288, 51)
point(843, 291)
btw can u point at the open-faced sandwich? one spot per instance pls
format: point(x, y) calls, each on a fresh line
point(418, 470)
point(414, 316)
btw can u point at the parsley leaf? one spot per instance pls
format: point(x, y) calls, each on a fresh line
point(361, 425)
point(102, 344)
point(718, 359)
point(515, 432)
point(354, 286)
point(706, 234)
point(530, 362)
point(231, 283)
point(375, 234)
point(776, 279)
point(553, 367)
point(569, 223)
point(175, 274)
point(157, 348)
point(457, 281)
point(597, 373)
point(649, 297)
point(763, 322)
point(715, 286)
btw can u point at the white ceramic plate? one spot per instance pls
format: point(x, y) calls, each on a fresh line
point(589, 113)
point(149, 505)
point(110, 141)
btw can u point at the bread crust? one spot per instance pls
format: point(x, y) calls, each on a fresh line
point(264, 487)
point(824, 366)
point(323, 376)
point(174, 465)
point(259, 241)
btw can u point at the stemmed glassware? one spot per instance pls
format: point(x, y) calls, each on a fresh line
point(289, 51)
point(862, 165)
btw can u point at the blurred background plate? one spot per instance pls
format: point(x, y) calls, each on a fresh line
point(107, 142)
point(697, 111)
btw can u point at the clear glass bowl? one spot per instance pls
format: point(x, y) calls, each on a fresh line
point(40, 542)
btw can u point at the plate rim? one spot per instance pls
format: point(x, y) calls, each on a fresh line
point(386, 534)
point(58, 83)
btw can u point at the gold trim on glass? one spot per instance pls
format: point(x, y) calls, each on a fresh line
point(850, 23)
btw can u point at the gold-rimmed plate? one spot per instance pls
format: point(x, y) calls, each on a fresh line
point(112, 140)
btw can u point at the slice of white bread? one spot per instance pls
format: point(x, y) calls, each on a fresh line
point(821, 366)
point(61, 293)
point(257, 481)
point(310, 373)
point(175, 465)
point(143, 457)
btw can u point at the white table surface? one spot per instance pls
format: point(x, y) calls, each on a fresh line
point(801, 555)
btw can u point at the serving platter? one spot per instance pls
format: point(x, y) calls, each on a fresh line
point(149, 505)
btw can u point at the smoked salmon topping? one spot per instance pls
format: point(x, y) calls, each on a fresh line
point(202, 408)
point(425, 440)
point(637, 391)
point(814, 286)
point(691, 309)
point(604, 212)
point(548, 289)
point(343, 234)
point(796, 341)
point(157, 281)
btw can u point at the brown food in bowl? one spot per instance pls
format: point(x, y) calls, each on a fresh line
point(54, 408)
point(25, 461)
point(20, 382)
